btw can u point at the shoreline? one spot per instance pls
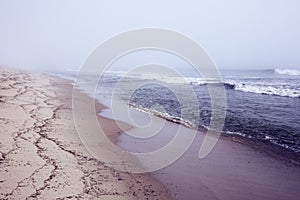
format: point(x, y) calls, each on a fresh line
point(269, 149)
point(251, 161)
point(41, 153)
point(247, 165)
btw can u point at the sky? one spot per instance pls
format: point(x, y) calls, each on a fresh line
point(60, 34)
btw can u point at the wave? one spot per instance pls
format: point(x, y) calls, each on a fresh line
point(165, 78)
point(290, 72)
point(284, 88)
point(267, 89)
point(164, 115)
point(64, 76)
point(250, 84)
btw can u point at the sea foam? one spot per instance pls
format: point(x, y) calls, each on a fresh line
point(264, 88)
point(290, 72)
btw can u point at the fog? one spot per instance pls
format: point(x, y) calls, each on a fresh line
point(236, 34)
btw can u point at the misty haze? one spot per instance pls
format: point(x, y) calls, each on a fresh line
point(150, 100)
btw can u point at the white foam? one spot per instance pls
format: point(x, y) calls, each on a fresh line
point(167, 79)
point(63, 76)
point(291, 72)
point(269, 90)
point(264, 87)
point(165, 115)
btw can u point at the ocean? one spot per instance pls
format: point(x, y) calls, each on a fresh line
point(263, 106)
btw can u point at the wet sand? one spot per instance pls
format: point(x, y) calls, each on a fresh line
point(234, 169)
point(41, 155)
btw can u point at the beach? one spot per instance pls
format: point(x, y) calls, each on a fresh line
point(42, 157)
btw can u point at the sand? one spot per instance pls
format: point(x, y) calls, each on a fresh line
point(41, 155)
point(232, 170)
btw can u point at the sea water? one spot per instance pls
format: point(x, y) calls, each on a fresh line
point(262, 105)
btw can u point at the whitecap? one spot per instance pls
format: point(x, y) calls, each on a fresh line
point(290, 72)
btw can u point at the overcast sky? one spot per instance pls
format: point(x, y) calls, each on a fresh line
point(60, 34)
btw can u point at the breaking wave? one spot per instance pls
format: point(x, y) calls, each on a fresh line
point(165, 115)
point(290, 72)
point(267, 89)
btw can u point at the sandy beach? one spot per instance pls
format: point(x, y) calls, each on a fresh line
point(41, 155)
